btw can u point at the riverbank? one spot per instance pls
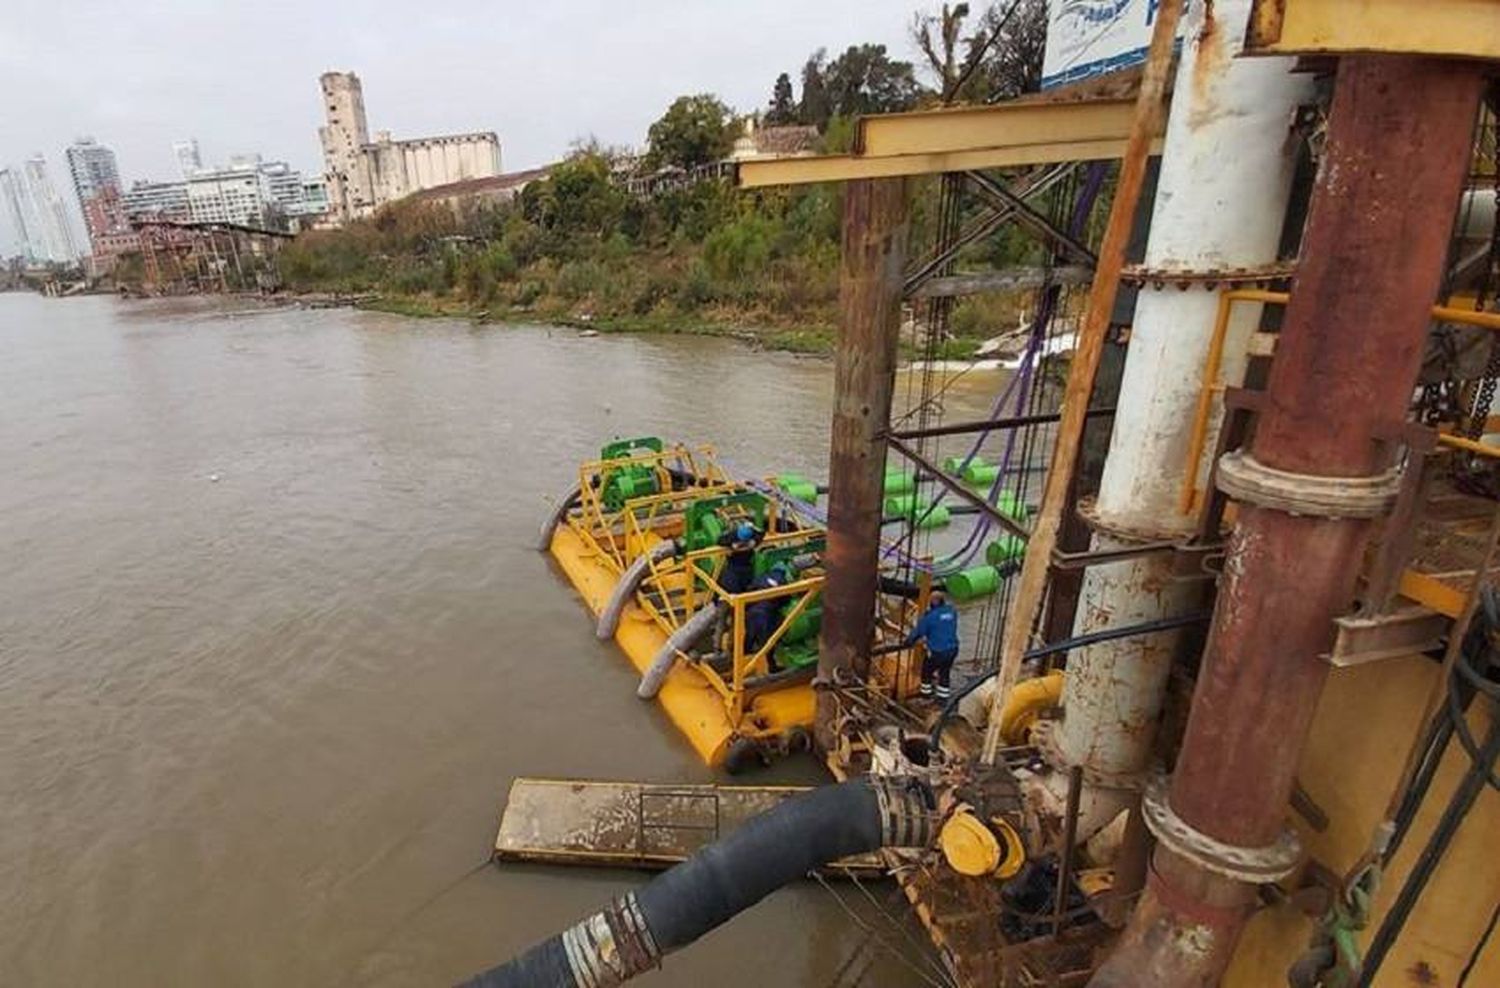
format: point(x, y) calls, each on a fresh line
point(752, 328)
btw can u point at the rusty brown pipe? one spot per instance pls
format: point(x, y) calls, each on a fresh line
point(1398, 146)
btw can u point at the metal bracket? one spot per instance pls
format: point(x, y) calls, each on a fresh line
point(1254, 865)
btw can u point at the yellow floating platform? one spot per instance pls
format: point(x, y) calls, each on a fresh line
point(693, 705)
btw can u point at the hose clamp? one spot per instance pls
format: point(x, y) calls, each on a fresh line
point(907, 818)
point(612, 946)
point(1244, 478)
point(1253, 865)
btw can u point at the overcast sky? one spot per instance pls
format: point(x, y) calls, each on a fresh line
point(242, 77)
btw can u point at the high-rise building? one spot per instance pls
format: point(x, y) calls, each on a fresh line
point(157, 201)
point(92, 166)
point(239, 194)
point(96, 181)
point(189, 161)
point(12, 191)
point(362, 176)
point(51, 236)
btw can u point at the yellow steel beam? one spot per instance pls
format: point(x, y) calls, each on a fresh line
point(1001, 125)
point(930, 142)
point(1458, 28)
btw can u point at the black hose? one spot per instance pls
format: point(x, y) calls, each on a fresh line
point(1466, 682)
point(807, 831)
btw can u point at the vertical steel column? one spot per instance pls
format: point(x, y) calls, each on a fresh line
point(864, 369)
point(1398, 147)
point(1226, 174)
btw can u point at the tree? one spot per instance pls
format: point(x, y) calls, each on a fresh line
point(694, 131)
point(813, 107)
point(1015, 63)
point(578, 197)
point(783, 109)
point(1000, 59)
point(864, 79)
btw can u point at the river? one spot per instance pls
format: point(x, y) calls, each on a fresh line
point(274, 639)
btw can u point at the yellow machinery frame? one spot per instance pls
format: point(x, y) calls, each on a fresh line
point(1423, 588)
point(1441, 27)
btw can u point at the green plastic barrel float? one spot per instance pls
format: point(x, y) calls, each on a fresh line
point(929, 516)
point(900, 505)
point(981, 474)
point(797, 486)
point(975, 582)
point(899, 482)
point(1004, 549)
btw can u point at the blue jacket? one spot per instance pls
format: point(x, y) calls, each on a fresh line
point(938, 627)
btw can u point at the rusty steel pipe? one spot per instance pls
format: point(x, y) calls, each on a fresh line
point(864, 373)
point(1398, 145)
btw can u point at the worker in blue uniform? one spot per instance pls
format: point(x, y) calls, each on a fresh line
point(761, 616)
point(938, 627)
point(739, 567)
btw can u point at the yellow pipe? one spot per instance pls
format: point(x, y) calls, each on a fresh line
point(1025, 704)
point(1198, 437)
point(1458, 442)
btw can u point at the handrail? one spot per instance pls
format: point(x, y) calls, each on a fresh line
point(1213, 362)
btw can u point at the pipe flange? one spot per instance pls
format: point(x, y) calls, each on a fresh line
point(1183, 278)
point(1253, 865)
point(1244, 478)
point(1089, 514)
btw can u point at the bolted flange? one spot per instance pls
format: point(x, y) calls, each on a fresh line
point(1254, 865)
point(1244, 478)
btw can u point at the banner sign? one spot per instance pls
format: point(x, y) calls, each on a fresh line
point(1088, 38)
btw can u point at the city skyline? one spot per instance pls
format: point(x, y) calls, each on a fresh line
point(142, 82)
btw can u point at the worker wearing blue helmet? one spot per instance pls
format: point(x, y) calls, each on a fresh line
point(938, 627)
point(739, 568)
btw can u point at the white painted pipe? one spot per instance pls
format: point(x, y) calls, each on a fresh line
point(1220, 203)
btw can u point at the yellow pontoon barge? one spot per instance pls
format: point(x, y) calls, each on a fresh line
point(642, 538)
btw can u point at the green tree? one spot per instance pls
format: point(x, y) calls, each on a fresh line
point(864, 79)
point(999, 58)
point(813, 108)
point(577, 199)
point(694, 131)
point(783, 108)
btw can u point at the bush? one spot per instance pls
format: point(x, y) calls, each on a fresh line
point(740, 249)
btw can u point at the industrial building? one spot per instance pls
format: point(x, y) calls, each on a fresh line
point(363, 175)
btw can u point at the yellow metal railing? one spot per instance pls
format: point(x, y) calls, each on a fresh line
point(1214, 361)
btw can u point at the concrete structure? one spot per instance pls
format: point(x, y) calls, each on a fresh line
point(363, 175)
point(157, 200)
point(239, 195)
point(189, 160)
point(47, 225)
point(476, 192)
point(12, 192)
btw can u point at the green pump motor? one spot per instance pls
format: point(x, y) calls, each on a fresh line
point(624, 483)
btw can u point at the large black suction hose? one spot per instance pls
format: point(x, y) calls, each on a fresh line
point(634, 932)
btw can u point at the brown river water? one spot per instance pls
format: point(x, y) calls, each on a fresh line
point(275, 638)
